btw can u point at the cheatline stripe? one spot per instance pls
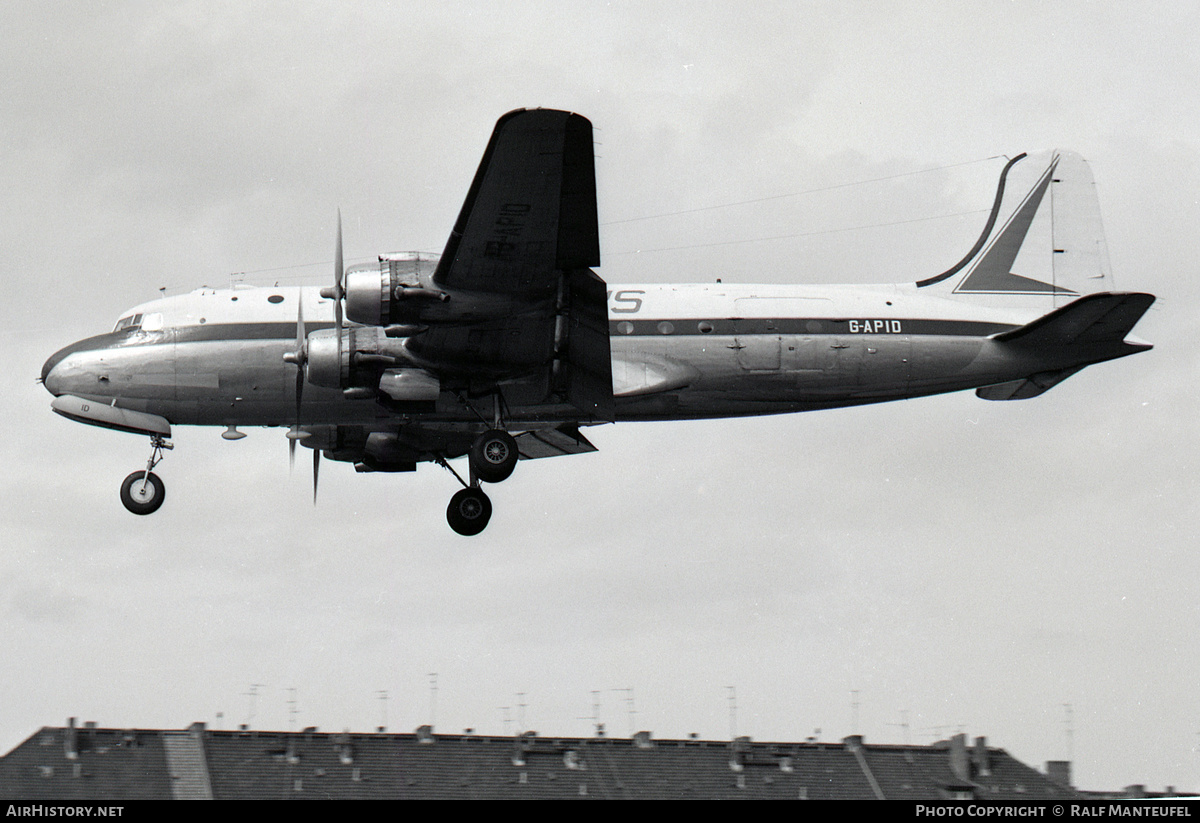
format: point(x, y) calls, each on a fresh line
point(804, 326)
point(676, 327)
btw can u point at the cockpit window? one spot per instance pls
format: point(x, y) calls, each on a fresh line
point(133, 321)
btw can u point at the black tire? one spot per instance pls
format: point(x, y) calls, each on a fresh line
point(143, 497)
point(469, 512)
point(494, 456)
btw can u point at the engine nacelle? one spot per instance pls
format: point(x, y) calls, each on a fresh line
point(393, 293)
point(365, 352)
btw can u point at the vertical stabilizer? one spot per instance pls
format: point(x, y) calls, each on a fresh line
point(1043, 244)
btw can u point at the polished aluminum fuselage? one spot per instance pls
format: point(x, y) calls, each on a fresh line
point(216, 357)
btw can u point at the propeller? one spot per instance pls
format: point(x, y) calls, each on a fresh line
point(299, 358)
point(336, 293)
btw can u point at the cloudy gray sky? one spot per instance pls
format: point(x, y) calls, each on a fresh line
point(947, 564)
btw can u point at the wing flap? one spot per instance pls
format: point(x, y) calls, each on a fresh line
point(565, 439)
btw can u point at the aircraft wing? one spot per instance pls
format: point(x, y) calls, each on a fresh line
point(524, 240)
point(531, 210)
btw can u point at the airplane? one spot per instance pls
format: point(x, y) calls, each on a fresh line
point(505, 346)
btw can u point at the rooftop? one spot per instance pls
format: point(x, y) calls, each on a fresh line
point(92, 763)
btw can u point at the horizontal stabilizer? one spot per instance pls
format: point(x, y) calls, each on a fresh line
point(1031, 386)
point(566, 439)
point(1089, 330)
point(1101, 319)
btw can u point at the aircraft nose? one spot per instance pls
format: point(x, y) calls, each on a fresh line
point(49, 380)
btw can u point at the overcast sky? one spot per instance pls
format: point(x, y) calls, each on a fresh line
point(1025, 571)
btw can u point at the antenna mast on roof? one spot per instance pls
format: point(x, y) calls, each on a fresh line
point(433, 700)
point(292, 711)
point(1069, 722)
point(903, 724)
point(253, 695)
point(732, 712)
point(383, 699)
point(629, 702)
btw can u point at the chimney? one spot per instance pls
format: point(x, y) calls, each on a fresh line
point(960, 763)
point(71, 740)
point(1059, 771)
point(642, 740)
point(425, 734)
point(522, 745)
point(980, 758)
point(738, 751)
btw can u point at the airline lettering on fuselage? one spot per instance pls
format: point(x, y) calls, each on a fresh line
point(626, 301)
point(874, 327)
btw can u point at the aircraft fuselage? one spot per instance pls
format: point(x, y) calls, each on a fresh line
point(215, 357)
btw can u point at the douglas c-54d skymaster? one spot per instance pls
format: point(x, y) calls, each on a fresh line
point(506, 344)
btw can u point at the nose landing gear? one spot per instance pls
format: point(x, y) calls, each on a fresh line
point(143, 491)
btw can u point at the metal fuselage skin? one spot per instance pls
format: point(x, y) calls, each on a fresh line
point(216, 357)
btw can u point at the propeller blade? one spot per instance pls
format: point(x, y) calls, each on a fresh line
point(295, 433)
point(338, 277)
point(298, 357)
point(316, 471)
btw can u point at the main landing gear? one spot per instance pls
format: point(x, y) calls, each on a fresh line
point(143, 492)
point(492, 458)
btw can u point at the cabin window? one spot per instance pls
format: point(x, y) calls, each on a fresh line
point(625, 327)
point(275, 298)
point(705, 327)
point(666, 327)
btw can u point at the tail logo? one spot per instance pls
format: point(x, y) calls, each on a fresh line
point(993, 274)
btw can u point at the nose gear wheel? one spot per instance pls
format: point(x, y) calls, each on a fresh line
point(143, 492)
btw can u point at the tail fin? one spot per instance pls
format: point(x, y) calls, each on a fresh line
point(1043, 245)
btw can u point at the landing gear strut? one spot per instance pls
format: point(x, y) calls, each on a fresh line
point(492, 458)
point(143, 492)
point(470, 509)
